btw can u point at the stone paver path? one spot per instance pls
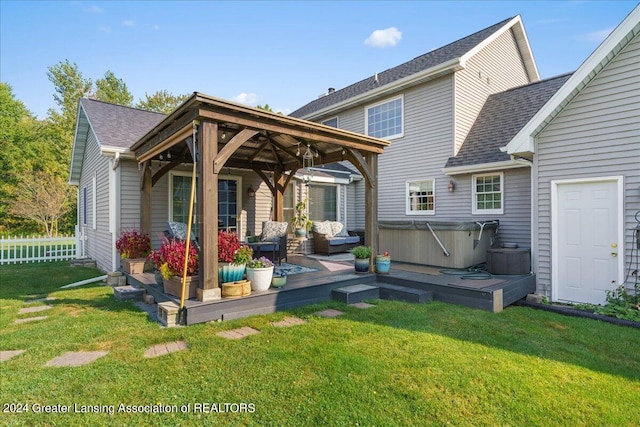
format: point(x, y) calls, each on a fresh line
point(8, 354)
point(289, 321)
point(30, 319)
point(76, 358)
point(329, 313)
point(236, 334)
point(35, 309)
point(41, 300)
point(166, 348)
point(362, 305)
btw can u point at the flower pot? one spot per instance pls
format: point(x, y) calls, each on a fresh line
point(173, 286)
point(362, 265)
point(260, 278)
point(236, 289)
point(228, 272)
point(278, 281)
point(133, 265)
point(300, 232)
point(383, 263)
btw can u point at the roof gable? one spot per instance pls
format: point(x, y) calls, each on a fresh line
point(523, 142)
point(445, 59)
point(501, 118)
point(116, 128)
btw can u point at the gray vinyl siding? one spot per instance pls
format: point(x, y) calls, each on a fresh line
point(596, 135)
point(499, 63)
point(129, 195)
point(99, 241)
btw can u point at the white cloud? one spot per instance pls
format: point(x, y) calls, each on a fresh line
point(384, 38)
point(128, 23)
point(95, 9)
point(246, 98)
point(596, 36)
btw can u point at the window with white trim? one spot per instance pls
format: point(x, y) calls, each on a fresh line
point(323, 202)
point(333, 122)
point(488, 193)
point(385, 119)
point(84, 205)
point(94, 207)
point(420, 197)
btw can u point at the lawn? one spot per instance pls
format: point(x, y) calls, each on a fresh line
point(394, 364)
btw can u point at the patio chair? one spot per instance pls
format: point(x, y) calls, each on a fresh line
point(273, 241)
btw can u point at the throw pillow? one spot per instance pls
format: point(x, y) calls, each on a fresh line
point(272, 230)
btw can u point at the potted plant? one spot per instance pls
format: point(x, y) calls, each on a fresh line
point(301, 222)
point(169, 260)
point(239, 287)
point(362, 255)
point(383, 263)
point(259, 273)
point(228, 270)
point(279, 280)
point(133, 247)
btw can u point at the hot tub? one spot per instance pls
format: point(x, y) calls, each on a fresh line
point(413, 241)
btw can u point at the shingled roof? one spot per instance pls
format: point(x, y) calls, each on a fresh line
point(420, 63)
point(501, 118)
point(118, 126)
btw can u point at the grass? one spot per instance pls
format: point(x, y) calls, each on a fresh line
point(395, 364)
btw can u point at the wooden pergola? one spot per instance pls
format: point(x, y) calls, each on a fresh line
point(231, 135)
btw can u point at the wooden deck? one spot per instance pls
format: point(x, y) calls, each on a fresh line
point(301, 289)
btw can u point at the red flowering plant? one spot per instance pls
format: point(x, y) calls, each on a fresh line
point(169, 259)
point(228, 244)
point(133, 244)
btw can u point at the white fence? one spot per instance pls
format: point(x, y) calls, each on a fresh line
point(15, 250)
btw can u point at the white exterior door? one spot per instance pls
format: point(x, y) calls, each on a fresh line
point(587, 245)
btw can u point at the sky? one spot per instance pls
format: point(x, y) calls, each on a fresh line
point(284, 54)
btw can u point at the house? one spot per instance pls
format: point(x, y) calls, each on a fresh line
point(585, 147)
point(444, 164)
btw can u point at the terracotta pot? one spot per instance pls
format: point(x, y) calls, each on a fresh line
point(133, 265)
point(173, 286)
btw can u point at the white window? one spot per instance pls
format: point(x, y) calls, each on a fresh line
point(323, 202)
point(333, 122)
point(385, 119)
point(84, 205)
point(94, 208)
point(420, 197)
point(289, 203)
point(488, 193)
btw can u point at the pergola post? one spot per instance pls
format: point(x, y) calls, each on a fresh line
point(145, 198)
point(371, 206)
point(208, 288)
point(278, 195)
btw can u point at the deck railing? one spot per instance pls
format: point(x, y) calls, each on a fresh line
point(15, 250)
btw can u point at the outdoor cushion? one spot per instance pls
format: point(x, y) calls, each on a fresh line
point(337, 241)
point(352, 239)
point(178, 230)
point(322, 227)
point(273, 230)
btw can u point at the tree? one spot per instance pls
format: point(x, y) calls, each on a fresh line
point(265, 107)
point(69, 87)
point(43, 198)
point(113, 90)
point(161, 101)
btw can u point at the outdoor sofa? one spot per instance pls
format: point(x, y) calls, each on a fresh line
point(332, 237)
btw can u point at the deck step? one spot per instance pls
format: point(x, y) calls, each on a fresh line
point(404, 293)
point(128, 293)
point(355, 293)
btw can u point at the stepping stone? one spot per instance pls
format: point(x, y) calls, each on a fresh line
point(362, 305)
point(166, 348)
point(289, 321)
point(128, 293)
point(8, 354)
point(35, 309)
point(236, 334)
point(329, 313)
point(30, 319)
point(48, 299)
point(76, 358)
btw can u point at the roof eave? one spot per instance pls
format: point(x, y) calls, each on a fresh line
point(486, 167)
point(524, 141)
point(77, 152)
point(412, 80)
